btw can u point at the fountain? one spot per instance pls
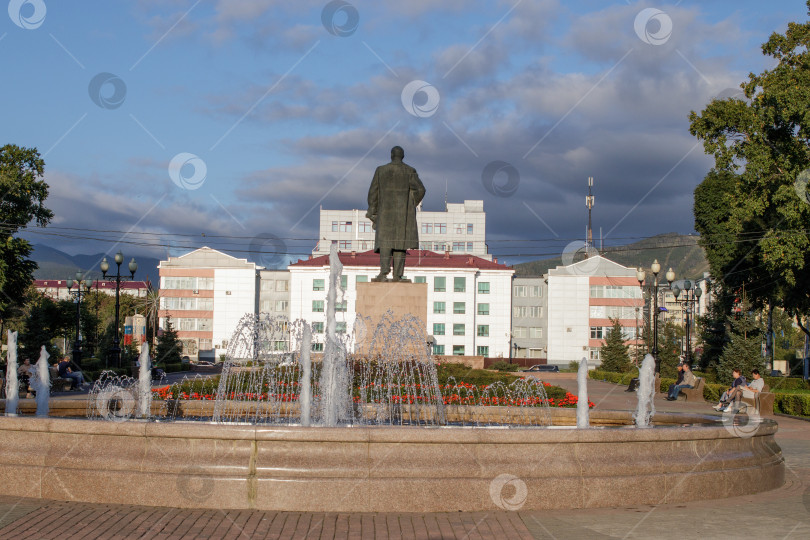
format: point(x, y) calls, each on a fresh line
point(12, 384)
point(645, 393)
point(583, 411)
point(41, 382)
point(371, 431)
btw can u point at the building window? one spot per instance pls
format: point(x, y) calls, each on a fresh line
point(483, 309)
point(420, 279)
point(596, 332)
point(483, 330)
point(482, 350)
point(519, 332)
point(522, 312)
point(535, 332)
point(334, 226)
point(345, 226)
point(427, 228)
point(438, 307)
point(425, 245)
point(438, 329)
point(438, 349)
point(469, 246)
point(458, 308)
point(458, 350)
point(615, 291)
point(318, 285)
point(520, 291)
point(361, 279)
point(340, 327)
point(317, 347)
point(344, 282)
point(535, 291)
point(205, 344)
point(440, 246)
point(458, 330)
point(317, 328)
point(282, 305)
point(469, 228)
point(364, 226)
point(345, 245)
point(341, 306)
point(458, 246)
point(267, 285)
point(439, 284)
point(440, 228)
point(317, 306)
point(483, 287)
point(459, 284)
point(460, 228)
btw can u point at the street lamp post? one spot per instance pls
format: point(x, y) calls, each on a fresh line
point(133, 266)
point(640, 276)
point(689, 300)
point(78, 293)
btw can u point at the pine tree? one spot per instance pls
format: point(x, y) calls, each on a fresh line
point(744, 350)
point(169, 348)
point(614, 353)
point(669, 348)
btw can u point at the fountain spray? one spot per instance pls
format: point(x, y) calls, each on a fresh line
point(144, 382)
point(645, 393)
point(41, 382)
point(12, 385)
point(305, 396)
point(583, 411)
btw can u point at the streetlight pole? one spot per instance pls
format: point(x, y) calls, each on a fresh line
point(640, 276)
point(133, 266)
point(688, 300)
point(77, 344)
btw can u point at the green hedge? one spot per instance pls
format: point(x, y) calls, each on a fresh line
point(711, 392)
point(793, 404)
point(786, 383)
point(609, 376)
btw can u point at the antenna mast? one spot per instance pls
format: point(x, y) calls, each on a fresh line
point(589, 200)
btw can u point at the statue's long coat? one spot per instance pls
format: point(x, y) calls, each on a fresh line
point(393, 197)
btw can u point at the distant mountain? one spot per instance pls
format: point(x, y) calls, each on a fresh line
point(56, 264)
point(681, 252)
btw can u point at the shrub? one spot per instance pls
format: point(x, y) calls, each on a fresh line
point(793, 404)
point(504, 366)
point(786, 383)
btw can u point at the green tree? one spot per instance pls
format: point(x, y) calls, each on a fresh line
point(761, 147)
point(669, 348)
point(615, 352)
point(169, 348)
point(45, 322)
point(744, 349)
point(22, 200)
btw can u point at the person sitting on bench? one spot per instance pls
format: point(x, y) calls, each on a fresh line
point(688, 381)
point(66, 373)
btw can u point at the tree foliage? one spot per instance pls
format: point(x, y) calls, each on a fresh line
point(615, 353)
point(744, 350)
point(169, 348)
point(752, 210)
point(22, 200)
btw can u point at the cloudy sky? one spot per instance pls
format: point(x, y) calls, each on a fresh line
point(168, 120)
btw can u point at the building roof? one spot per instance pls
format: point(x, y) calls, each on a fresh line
point(97, 284)
point(596, 265)
point(415, 258)
point(206, 257)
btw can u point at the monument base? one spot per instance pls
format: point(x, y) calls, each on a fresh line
point(376, 299)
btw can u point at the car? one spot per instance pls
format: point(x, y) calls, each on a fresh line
point(777, 373)
point(549, 368)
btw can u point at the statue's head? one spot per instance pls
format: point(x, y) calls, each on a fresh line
point(397, 153)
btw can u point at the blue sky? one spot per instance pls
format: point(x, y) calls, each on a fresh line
point(288, 113)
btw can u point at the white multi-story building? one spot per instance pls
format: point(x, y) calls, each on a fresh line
point(582, 298)
point(206, 293)
point(459, 229)
point(57, 289)
point(468, 298)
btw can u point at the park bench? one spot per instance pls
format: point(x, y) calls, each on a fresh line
point(762, 402)
point(695, 393)
point(58, 384)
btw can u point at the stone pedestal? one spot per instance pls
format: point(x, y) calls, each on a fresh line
point(375, 300)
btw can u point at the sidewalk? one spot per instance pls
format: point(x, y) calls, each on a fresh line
point(782, 513)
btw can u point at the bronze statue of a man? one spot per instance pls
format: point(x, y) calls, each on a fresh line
point(394, 194)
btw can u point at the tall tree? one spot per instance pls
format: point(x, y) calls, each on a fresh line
point(169, 348)
point(744, 350)
point(22, 200)
point(614, 353)
point(761, 146)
